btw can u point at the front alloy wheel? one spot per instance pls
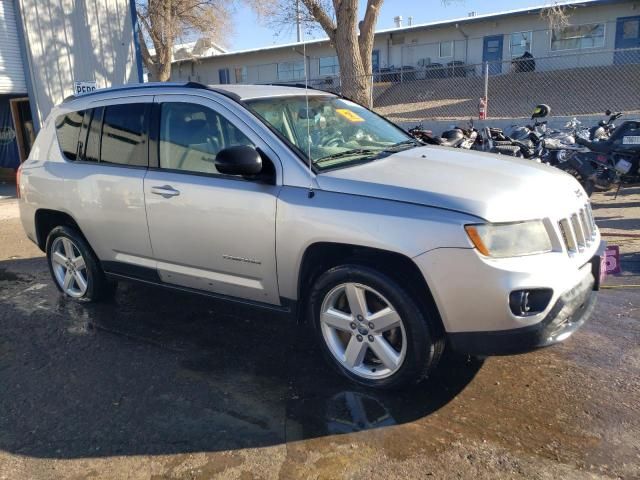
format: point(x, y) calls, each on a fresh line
point(372, 330)
point(363, 331)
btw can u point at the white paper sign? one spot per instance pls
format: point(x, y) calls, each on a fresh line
point(80, 88)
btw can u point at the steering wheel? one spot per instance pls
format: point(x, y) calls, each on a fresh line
point(333, 140)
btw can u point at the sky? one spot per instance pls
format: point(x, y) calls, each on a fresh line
point(249, 33)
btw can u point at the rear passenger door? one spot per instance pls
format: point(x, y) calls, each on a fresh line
point(105, 182)
point(209, 231)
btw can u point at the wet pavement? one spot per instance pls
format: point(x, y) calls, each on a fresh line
point(159, 384)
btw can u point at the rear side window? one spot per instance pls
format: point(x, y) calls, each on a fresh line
point(68, 133)
point(123, 135)
point(94, 121)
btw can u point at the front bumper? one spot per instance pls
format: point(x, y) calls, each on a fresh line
point(569, 313)
point(472, 294)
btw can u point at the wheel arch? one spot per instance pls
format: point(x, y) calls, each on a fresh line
point(46, 220)
point(321, 256)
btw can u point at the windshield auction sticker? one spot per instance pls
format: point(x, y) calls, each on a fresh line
point(349, 115)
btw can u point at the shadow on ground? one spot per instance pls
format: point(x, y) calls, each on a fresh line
point(159, 372)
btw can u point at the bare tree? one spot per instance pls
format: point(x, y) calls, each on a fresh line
point(352, 38)
point(164, 22)
point(557, 16)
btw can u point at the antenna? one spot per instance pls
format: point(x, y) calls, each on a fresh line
point(306, 97)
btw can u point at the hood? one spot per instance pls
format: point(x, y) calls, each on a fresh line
point(496, 188)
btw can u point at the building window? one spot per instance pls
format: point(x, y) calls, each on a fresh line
point(446, 49)
point(520, 43)
point(241, 74)
point(577, 37)
point(329, 65)
point(291, 71)
point(631, 29)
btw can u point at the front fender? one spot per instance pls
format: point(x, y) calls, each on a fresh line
point(407, 229)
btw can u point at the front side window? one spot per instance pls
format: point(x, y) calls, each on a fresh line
point(123, 135)
point(520, 43)
point(291, 71)
point(446, 49)
point(191, 136)
point(333, 131)
point(68, 133)
point(577, 37)
point(329, 65)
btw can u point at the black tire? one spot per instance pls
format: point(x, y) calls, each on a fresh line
point(98, 288)
point(425, 340)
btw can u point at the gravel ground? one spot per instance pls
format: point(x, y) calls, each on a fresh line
point(162, 385)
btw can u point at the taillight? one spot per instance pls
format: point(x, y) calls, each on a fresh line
point(18, 172)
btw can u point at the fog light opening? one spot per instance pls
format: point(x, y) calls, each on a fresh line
point(524, 303)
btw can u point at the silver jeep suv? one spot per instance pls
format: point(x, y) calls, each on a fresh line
point(305, 202)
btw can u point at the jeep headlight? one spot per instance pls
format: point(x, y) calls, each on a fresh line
point(500, 240)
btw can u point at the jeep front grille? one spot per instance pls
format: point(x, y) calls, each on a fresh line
point(578, 231)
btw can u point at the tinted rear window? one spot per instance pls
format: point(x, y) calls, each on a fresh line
point(92, 152)
point(68, 132)
point(123, 135)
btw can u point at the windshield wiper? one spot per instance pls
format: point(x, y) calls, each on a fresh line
point(397, 147)
point(347, 153)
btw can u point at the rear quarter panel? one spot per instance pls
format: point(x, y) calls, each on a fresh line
point(42, 179)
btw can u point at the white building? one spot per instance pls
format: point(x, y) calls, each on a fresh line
point(597, 29)
point(46, 46)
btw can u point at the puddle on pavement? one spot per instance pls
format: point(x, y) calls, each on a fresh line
point(187, 373)
point(8, 276)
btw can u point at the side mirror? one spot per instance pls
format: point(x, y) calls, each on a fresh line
point(607, 112)
point(239, 160)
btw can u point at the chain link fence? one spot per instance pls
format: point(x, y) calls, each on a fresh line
point(581, 84)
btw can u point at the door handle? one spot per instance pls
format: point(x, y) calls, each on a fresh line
point(166, 191)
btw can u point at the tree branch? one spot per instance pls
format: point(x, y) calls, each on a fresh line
point(367, 31)
point(322, 17)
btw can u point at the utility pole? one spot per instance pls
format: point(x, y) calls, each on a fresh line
point(298, 22)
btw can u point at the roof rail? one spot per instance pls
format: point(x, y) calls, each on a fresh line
point(138, 86)
point(297, 85)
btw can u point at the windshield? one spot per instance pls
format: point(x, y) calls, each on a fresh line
point(333, 131)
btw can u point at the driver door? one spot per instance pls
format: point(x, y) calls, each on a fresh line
point(209, 231)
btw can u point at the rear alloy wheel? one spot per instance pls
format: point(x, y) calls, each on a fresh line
point(74, 267)
point(69, 267)
point(372, 330)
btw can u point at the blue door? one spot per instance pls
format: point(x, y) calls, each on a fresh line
point(375, 61)
point(223, 76)
point(492, 53)
point(627, 36)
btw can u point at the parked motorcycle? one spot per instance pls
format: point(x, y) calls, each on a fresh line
point(599, 157)
point(424, 135)
point(603, 130)
point(456, 137)
point(615, 160)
